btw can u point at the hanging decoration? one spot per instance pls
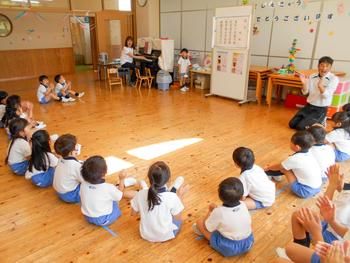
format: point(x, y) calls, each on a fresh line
point(292, 54)
point(21, 14)
point(40, 17)
point(245, 2)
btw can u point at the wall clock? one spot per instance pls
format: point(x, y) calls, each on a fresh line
point(5, 26)
point(142, 3)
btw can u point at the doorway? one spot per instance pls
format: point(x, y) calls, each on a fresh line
point(83, 29)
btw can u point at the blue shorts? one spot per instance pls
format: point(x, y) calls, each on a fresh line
point(228, 247)
point(72, 196)
point(328, 237)
point(341, 156)
point(303, 191)
point(43, 101)
point(315, 258)
point(20, 168)
point(258, 204)
point(107, 219)
point(44, 179)
point(178, 223)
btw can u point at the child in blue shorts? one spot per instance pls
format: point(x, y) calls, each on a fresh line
point(259, 190)
point(99, 200)
point(43, 162)
point(63, 88)
point(45, 92)
point(228, 226)
point(340, 136)
point(67, 177)
point(19, 150)
point(301, 169)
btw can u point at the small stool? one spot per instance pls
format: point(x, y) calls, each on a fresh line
point(124, 73)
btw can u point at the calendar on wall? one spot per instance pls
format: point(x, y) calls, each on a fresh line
point(231, 32)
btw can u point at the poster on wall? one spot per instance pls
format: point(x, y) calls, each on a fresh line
point(221, 61)
point(237, 63)
point(231, 32)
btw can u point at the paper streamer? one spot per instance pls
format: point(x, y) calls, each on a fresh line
point(21, 14)
point(40, 17)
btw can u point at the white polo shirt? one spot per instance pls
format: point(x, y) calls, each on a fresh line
point(342, 212)
point(59, 87)
point(2, 110)
point(341, 140)
point(67, 175)
point(124, 58)
point(20, 151)
point(324, 155)
point(258, 186)
point(157, 225)
point(329, 81)
point(232, 222)
point(184, 64)
point(97, 199)
point(52, 161)
point(305, 167)
point(41, 92)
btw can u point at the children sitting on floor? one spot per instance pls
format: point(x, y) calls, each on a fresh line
point(228, 226)
point(64, 88)
point(3, 97)
point(184, 65)
point(99, 200)
point(259, 190)
point(19, 150)
point(160, 209)
point(340, 136)
point(45, 92)
point(307, 225)
point(300, 169)
point(323, 153)
point(42, 162)
point(67, 177)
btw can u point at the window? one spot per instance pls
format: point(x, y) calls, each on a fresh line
point(121, 5)
point(124, 5)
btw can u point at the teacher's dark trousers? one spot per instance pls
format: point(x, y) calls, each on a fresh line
point(308, 116)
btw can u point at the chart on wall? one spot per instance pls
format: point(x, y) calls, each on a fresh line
point(231, 32)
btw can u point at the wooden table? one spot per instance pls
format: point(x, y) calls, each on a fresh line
point(104, 66)
point(259, 74)
point(290, 80)
point(194, 72)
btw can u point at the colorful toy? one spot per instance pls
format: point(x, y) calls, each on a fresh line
point(341, 97)
point(292, 53)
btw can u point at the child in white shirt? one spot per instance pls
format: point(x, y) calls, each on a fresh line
point(42, 162)
point(335, 222)
point(340, 136)
point(64, 88)
point(45, 92)
point(184, 65)
point(259, 190)
point(323, 153)
point(300, 169)
point(228, 227)
point(67, 177)
point(99, 200)
point(3, 96)
point(159, 208)
point(19, 149)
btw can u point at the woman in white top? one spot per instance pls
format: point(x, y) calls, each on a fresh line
point(127, 58)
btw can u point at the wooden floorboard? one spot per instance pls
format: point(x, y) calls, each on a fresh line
point(37, 227)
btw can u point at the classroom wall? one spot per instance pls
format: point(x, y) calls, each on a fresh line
point(36, 38)
point(147, 19)
point(189, 22)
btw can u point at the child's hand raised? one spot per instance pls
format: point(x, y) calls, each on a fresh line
point(310, 220)
point(122, 175)
point(327, 208)
point(336, 180)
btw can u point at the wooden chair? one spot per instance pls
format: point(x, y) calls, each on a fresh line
point(150, 77)
point(141, 79)
point(113, 78)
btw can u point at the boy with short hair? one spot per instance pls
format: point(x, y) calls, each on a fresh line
point(300, 169)
point(228, 227)
point(320, 87)
point(45, 91)
point(323, 153)
point(64, 88)
point(184, 65)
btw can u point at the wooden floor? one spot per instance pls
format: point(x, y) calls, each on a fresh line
point(35, 226)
